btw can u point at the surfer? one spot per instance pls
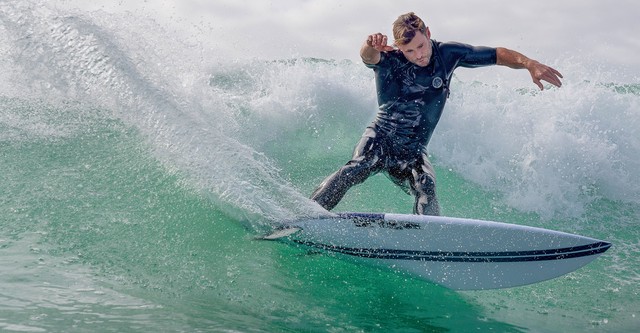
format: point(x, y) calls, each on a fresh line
point(412, 83)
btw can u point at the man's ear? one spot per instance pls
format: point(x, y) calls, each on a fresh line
point(428, 33)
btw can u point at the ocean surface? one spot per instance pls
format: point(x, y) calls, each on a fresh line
point(136, 172)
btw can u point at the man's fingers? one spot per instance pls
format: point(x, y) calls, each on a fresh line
point(374, 40)
point(555, 81)
point(556, 72)
point(538, 83)
point(378, 41)
point(553, 76)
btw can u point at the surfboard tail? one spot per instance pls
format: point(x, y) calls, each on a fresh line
point(280, 233)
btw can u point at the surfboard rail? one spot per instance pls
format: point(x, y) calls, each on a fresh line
point(458, 253)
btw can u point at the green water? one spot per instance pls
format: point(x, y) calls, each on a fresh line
point(98, 236)
point(132, 191)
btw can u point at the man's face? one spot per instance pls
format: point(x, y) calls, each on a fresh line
point(418, 50)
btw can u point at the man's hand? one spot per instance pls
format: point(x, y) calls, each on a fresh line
point(540, 72)
point(370, 51)
point(379, 42)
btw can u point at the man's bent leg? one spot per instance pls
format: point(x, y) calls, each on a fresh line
point(334, 187)
point(363, 164)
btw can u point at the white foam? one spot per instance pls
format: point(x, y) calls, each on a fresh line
point(551, 152)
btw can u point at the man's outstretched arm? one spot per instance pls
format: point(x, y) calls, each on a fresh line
point(538, 71)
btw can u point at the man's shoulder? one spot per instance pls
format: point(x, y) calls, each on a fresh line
point(453, 46)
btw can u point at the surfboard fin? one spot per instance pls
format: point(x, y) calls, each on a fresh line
point(280, 233)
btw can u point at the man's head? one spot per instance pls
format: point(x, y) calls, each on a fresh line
point(413, 39)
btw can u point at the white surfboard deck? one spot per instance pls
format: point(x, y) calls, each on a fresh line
point(461, 254)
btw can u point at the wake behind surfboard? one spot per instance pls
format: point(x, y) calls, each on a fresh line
point(461, 254)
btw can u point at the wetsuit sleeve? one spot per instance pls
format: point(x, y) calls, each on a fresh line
point(469, 56)
point(388, 87)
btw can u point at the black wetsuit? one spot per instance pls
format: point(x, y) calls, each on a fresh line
point(411, 100)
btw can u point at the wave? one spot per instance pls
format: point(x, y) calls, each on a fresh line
point(247, 134)
point(75, 58)
point(555, 152)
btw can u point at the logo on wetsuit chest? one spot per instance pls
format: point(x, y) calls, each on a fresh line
point(437, 82)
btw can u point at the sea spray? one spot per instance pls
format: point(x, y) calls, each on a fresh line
point(72, 58)
point(553, 152)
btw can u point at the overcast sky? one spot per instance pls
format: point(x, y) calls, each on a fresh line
point(602, 33)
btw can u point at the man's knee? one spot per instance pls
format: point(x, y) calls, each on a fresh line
point(334, 187)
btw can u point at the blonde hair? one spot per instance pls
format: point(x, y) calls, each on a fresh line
point(405, 28)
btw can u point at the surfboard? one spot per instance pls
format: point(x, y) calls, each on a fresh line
point(457, 253)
